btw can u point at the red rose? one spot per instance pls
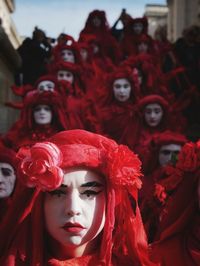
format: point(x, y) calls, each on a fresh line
point(187, 158)
point(160, 193)
point(40, 166)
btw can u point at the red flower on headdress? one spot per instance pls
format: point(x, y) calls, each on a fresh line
point(160, 193)
point(39, 166)
point(187, 158)
point(125, 168)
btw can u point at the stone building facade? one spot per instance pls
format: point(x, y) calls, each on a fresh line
point(10, 61)
point(182, 14)
point(157, 17)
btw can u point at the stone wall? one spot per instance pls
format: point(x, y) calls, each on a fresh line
point(9, 62)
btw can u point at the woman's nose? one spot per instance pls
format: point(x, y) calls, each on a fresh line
point(73, 206)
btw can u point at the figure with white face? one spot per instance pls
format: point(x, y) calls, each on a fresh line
point(42, 114)
point(153, 114)
point(96, 21)
point(167, 152)
point(46, 85)
point(7, 180)
point(138, 28)
point(84, 54)
point(67, 55)
point(65, 75)
point(78, 206)
point(122, 89)
point(143, 47)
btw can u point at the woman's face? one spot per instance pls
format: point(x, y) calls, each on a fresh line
point(143, 47)
point(7, 180)
point(46, 85)
point(153, 114)
point(65, 75)
point(68, 55)
point(84, 54)
point(75, 212)
point(122, 89)
point(138, 28)
point(167, 152)
point(42, 114)
point(96, 22)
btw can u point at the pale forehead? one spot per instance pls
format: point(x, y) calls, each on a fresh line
point(45, 82)
point(153, 106)
point(171, 147)
point(42, 106)
point(121, 81)
point(81, 176)
point(67, 51)
point(6, 165)
point(138, 24)
point(64, 72)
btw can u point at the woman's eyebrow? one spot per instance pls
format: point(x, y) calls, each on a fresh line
point(92, 184)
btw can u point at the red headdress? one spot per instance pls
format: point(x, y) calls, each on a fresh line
point(142, 20)
point(52, 99)
point(41, 167)
point(73, 47)
point(48, 77)
point(90, 27)
point(119, 73)
point(151, 99)
point(8, 156)
point(179, 229)
point(156, 142)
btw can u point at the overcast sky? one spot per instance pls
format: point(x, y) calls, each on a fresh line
point(69, 16)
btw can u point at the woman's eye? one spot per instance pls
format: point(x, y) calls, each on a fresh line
point(57, 193)
point(117, 86)
point(6, 172)
point(90, 193)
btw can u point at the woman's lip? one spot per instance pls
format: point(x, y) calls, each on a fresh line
point(73, 227)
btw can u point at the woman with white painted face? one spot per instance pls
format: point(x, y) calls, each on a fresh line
point(178, 237)
point(152, 115)
point(115, 105)
point(76, 208)
point(42, 116)
point(161, 155)
point(8, 166)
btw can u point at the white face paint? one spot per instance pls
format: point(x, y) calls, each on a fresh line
point(153, 114)
point(75, 212)
point(122, 89)
point(7, 180)
point(143, 47)
point(42, 114)
point(68, 55)
point(84, 54)
point(167, 152)
point(46, 85)
point(138, 28)
point(96, 22)
point(65, 75)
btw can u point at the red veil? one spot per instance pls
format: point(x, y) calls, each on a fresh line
point(123, 239)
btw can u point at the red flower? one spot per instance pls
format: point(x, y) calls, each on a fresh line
point(40, 166)
point(124, 168)
point(187, 158)
point(160, 193)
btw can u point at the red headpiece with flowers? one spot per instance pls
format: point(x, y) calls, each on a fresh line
point(42, 167)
